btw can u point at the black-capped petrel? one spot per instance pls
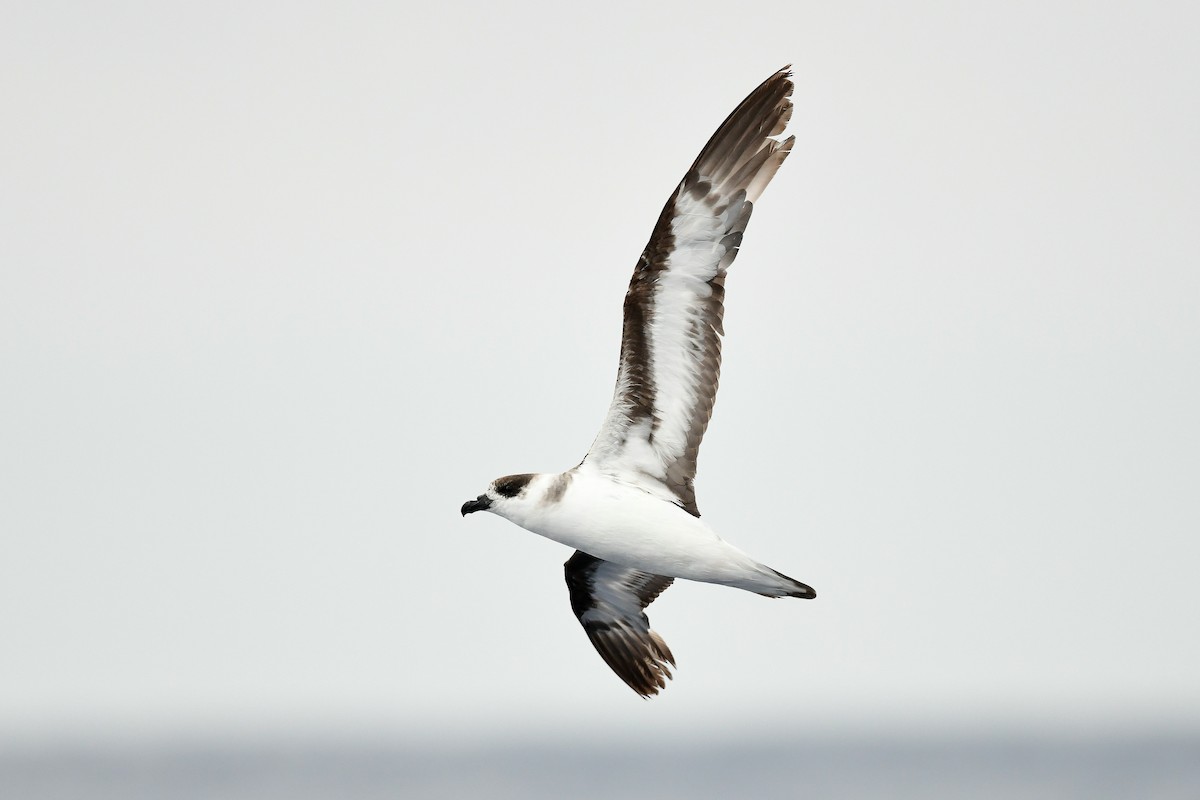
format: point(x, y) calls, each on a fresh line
point(629, 508)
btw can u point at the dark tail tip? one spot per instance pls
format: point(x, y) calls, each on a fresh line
point(801, 590)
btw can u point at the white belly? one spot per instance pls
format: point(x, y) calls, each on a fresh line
point(626, 525)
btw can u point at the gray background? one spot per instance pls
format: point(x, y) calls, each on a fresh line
point(281, 285)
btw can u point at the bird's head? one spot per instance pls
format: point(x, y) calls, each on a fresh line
point(504, 496)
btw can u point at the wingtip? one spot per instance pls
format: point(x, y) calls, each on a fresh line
point(783, 75)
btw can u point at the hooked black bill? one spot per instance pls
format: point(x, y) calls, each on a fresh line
point(481, 503)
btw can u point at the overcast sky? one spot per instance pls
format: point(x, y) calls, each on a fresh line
point(282, 285)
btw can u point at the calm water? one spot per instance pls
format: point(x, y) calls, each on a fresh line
point(1153, 767)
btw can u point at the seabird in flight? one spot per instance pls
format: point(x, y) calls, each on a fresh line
point(629, 508)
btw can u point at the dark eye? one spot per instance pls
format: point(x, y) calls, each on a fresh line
point(512, 485)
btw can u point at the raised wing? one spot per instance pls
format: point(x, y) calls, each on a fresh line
point(671, 346)
point(609, 601)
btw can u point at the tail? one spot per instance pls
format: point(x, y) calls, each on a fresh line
point(788, 587)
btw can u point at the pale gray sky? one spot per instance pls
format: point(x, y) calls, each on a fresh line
point(283, 284)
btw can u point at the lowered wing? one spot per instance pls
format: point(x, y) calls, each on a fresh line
point(610, 602)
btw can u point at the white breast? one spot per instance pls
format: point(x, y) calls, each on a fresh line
point(624, 524)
